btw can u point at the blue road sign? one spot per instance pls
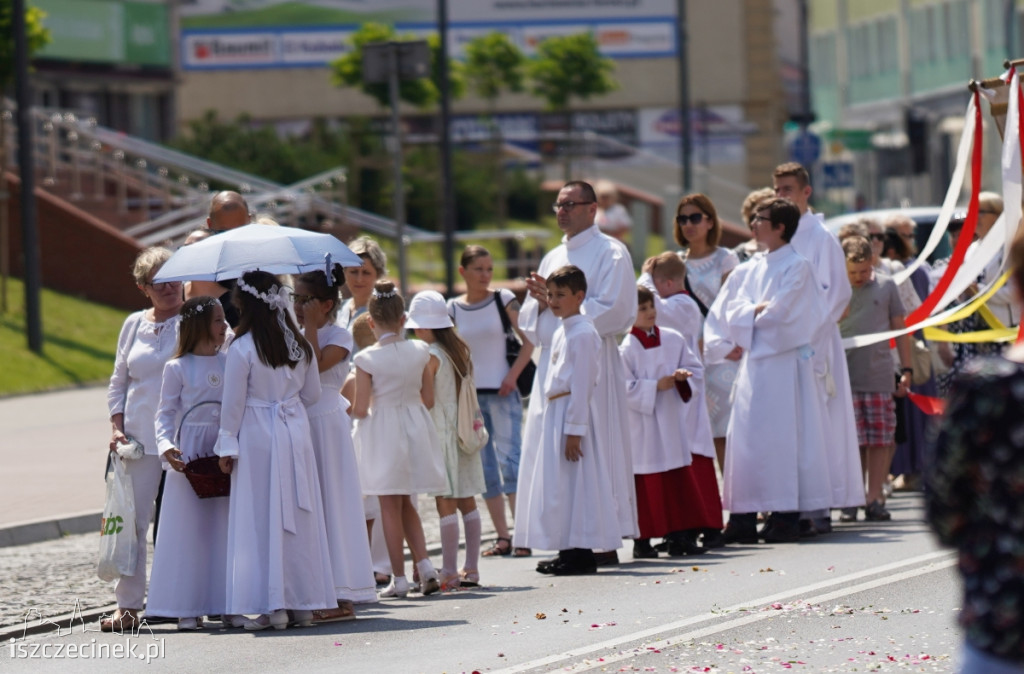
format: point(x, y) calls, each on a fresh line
point(805, 148)
point(838, 174)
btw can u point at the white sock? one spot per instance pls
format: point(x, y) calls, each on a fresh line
point(471, 521)
point(426, 569)
point(449, 544)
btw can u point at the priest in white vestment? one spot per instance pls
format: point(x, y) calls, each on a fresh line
point(821, 248)
point(777, 460)
point(611, 306)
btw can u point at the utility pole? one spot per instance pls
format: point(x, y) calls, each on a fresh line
point(685, 142)
point(29, 231)
point(447, 183)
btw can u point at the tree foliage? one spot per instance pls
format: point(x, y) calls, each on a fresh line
point(570, 66)
point(494, 64)
point(36, 33)
point(347, 70)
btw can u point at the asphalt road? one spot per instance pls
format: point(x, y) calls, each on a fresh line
point(876, 597)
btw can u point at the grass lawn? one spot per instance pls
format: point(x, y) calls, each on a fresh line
point(79, 339)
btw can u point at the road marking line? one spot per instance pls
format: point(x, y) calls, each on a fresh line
point(934, 560)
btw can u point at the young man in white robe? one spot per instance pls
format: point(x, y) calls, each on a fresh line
point(565, 507)
point(611, 306)
point(821, 248)
point(777, 460)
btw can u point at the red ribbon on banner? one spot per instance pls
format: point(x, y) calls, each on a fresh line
point(927, 404)
point(966, 234)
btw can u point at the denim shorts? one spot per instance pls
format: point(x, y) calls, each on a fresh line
point(503, 416)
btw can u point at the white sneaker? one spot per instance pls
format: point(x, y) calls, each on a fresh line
point(399, 587)
point(233, 620)
point(189, 624)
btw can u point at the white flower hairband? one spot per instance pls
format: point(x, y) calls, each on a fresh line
point(277, 298)
point(198, 309)
point(385, 295)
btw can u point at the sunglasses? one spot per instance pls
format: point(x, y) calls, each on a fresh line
point(692, 218)
point(877, 237)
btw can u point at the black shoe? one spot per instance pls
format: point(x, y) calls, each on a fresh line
point(876, 512)
point(766, 530)
point(610, 558)
point(642, 549)
point(712, 538)
point(563, 568)
point(545, 564)
point(848, 515)
point(807, 529)
point(684, 546)
point(783, 532)
point(742, 534)
point(663, 546)
point(823, 525)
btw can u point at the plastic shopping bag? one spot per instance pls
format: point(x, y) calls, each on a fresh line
point(118, 544)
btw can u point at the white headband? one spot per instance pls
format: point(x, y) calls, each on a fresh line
point(277, 298)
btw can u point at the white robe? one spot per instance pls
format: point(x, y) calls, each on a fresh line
point(611, 306)
point(777, 459)
point(820, 247)
point(564, 503)
point(663, 436)
point(278, 554)
point(190, 556)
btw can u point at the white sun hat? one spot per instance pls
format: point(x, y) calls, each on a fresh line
point(428, 310)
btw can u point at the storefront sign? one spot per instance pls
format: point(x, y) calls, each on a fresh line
point(106, 31)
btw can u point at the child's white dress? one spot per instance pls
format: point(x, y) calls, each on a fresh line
point(396, 444)
point(190, 557)
point(331, 431)
point(464, 472)
point(278, 555)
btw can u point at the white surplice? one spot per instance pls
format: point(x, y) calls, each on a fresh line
point(190, 556)
point(820, 247)
point(777, 459)
point(611, 306)
point(659, 421)
point(563, 504)
point(278, 554)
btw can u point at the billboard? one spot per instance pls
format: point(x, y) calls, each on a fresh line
point(106, 31)
point(219, 34)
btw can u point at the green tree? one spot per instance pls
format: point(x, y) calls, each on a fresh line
point(495, 64)
point(37, 37)
point(347, 70)
point(568, 67)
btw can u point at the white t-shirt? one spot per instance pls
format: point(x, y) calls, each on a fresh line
point(613, 219)
point(480, 326)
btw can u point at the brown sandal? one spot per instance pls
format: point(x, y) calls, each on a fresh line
point(499, 550)
point(334, 615)
point(522, 552)
point(122, 620)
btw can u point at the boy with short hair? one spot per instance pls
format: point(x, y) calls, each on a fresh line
point(664, 380)
point(665, 274)
point(875, 306)
point(567, 508)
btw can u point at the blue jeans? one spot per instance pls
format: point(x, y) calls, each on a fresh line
point(975, 661)
point(503, 417)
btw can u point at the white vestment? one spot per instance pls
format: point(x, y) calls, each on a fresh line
point(278, 554)
point(663, 430)
point(563, 504)
point(821, 248)
point(777, 459)
point(611, 306)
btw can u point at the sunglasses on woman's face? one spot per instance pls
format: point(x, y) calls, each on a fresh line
point(692, 218)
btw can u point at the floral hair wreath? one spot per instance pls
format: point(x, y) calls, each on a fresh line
point(386, 295)
point(200, 308)
point(277, 298)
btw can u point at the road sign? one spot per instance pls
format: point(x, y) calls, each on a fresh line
point(837, 174)
point(805, 148)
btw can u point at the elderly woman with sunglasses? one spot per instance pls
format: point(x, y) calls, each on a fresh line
point(698, 230)
point(148, 340)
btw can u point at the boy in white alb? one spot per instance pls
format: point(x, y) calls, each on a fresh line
point(567, 508)
point(665, 275)
point(777, 460)
point(662, 373)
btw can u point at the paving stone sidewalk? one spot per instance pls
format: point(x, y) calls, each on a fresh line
point(54, 578)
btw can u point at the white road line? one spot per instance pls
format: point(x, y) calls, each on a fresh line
point(934, 561)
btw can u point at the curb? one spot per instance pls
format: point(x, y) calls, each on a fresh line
point(37, 531)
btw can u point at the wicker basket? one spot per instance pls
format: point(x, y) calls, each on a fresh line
point(206, 477)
